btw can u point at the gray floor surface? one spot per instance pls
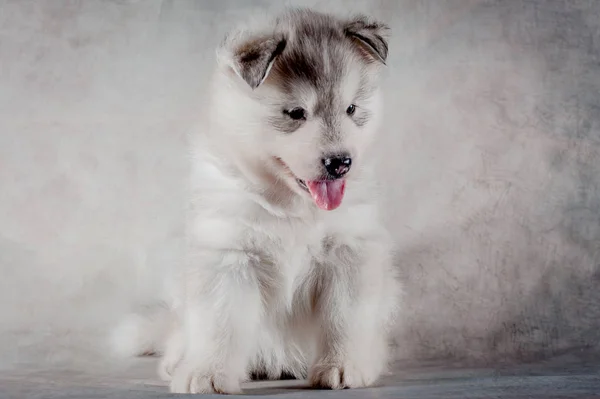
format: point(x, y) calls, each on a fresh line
point(550, 380)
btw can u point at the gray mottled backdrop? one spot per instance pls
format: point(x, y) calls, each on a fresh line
point(491, 156)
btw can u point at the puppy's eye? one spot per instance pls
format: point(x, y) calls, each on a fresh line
point(351, 109)
point(296, 113)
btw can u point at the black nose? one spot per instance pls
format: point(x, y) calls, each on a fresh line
point(337, 166)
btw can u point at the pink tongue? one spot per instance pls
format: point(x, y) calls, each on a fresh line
point(327, 194)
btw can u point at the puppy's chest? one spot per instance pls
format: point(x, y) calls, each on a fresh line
point(297, 247)
point(290, 252)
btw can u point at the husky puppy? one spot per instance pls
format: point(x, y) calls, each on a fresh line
point(288, 267)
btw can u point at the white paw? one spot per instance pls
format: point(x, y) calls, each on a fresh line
point(341, 375)
point(186, 380)
point(166, 367)
point(172, 357)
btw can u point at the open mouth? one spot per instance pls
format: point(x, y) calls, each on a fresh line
point(327, 194)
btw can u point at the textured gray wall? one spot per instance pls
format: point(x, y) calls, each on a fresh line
point(491, 154)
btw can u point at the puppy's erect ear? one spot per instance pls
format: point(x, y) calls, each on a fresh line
point(252, 59)
point(369, 36)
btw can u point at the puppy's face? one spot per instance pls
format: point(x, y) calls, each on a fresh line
point(312, 86)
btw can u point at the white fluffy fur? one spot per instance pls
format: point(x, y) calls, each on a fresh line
point(270, 282)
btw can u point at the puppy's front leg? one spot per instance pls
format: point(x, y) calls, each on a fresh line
point(222, 309)
point(357, 297)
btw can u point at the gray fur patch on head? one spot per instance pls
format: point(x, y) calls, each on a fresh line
point(320, 44)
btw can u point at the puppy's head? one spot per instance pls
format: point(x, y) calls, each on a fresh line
point(302, 96)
